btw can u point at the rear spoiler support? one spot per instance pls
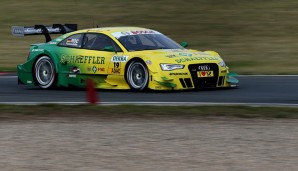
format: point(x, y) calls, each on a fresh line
point(43, 30)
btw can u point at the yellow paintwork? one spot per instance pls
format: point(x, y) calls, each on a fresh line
point(153, 58)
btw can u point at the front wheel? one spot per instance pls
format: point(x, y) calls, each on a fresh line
point(44, 72)
point(137, 75)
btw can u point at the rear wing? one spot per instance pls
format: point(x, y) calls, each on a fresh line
point(43, 30)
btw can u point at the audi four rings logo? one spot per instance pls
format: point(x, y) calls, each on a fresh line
point(204, 68)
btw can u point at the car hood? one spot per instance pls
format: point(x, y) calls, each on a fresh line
point(182, 56)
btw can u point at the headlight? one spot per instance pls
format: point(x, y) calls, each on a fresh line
point(170, 67)
point(222, 64)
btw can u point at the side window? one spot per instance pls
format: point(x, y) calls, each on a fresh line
point(95, 41)
point(72, 41)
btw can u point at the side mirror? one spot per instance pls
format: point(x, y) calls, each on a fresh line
point(109, 48)
point(184, 44)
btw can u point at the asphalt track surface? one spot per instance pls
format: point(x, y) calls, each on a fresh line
point(98, 141)
point(262, 90)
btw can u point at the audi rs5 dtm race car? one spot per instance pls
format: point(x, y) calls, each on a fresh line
point(118, 58)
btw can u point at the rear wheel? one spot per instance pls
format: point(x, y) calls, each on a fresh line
point(44, 72)
point(137, 75)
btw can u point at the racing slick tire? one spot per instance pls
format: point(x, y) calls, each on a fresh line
point(44, 72)
point(137, 75)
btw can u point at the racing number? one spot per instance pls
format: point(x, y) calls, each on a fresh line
point(116, 69)
point(116, 65)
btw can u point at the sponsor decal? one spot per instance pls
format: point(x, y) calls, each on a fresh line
point(37, 50)
point(185, 54)
point(117, 58)
point(136, 32)
point(52, 43)
point(205, 74)
point(29, 82)
point(80, 59)
point(72, 76)
point(204, 68)
point(72, 42)
point(179, 73)
point(114, 70)
point(116, 65)
point(196, 59)
point(143, 32)
point(18, 30)
point(101, 69)
point(171, 56)
point(174, 50)
point(94, 69)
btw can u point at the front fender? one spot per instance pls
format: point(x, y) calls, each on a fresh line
point(152, 67)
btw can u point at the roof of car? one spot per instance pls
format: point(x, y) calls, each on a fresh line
point(113, 29)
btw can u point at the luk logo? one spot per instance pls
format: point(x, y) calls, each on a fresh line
point(204, 68)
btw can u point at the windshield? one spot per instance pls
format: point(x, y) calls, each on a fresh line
point(147, 42)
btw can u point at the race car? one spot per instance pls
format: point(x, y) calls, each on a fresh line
point(118, 58)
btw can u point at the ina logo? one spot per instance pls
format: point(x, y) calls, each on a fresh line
point(94, 69)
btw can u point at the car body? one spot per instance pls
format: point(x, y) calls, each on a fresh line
point(122, 58)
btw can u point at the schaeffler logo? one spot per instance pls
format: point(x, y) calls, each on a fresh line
point(204, 68)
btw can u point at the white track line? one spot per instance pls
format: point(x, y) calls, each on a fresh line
point(160, 104)
point(8, 77)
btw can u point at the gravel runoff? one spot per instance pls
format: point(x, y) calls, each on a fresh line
point(151, 143)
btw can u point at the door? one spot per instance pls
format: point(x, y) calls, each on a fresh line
point(91, 53)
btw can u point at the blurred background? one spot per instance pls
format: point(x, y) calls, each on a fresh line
point(253, 37)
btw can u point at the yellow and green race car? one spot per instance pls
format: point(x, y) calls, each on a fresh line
point(118, 58)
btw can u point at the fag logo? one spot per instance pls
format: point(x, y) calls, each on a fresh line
point(101, 69)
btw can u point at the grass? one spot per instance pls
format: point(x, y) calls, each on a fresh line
point(127, 111)
point(254, 37)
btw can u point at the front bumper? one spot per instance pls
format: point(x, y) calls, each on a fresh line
point(189, 79)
